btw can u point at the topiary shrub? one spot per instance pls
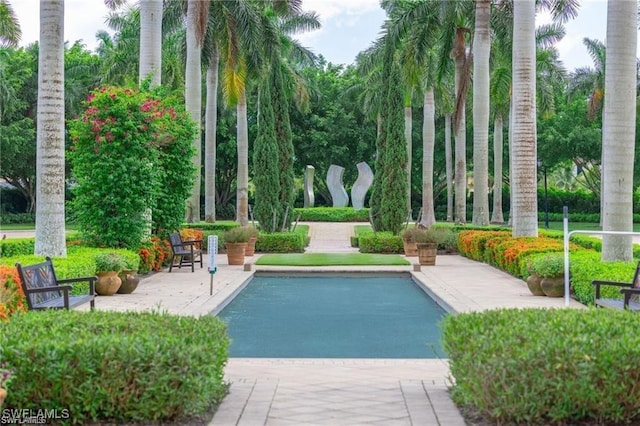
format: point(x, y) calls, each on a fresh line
point(281, 242)
point(546, 366)
point(16, 246)
point(332, 214)
point(380, 242)
point(116, 367)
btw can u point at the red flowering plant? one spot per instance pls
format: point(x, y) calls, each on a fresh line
point(132, 153)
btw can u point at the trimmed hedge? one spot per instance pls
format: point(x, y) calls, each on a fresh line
point(281, 242)
point(221, 225)
point(546, 366)
point(331, 214)
point(17, 246)
point(117, 367)
point(380, 242)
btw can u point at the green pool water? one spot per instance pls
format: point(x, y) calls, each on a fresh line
point(334, 317)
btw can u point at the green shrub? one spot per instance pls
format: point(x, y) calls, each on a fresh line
point(109, 262)
point(239, 234)
point(9, 218)
point(17, 246)
point(587, 266)
point(332, 214)
point(380, 242)
point(80, 262)
point(116, 367)
point(281, 242)
point(549, 265)
point(546, 366)
point(222, 225)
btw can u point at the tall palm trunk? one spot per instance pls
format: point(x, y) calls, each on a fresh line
point(460, 168)
point(211, 124)
point(428, 145)
point(242, 194)
point(618, 139)
point(193, 98)
point(497, 216)
point(448, 166)
point(408, 128)
point(151, 41)
point(524, 176)
point(50, 219)
point(481, 114)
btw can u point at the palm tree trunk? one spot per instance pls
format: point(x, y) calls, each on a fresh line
point(428, 145)
point(523, 172)
point(50, 213)
point(618, 139)
point(193, 102)
point(408, 128)
point(481, 49)
point(151, 41)
point(460, 169)
point(242, 194)
point(211, 123)
point(497, 216)
point(448, 166)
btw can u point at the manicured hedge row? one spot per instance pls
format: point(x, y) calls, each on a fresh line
point(115, 367)
point(332, 214)
point(380, 242)
point(546, 366)
point(80, 262)
point(16, 246)
point(221, 225)
point(281, 242)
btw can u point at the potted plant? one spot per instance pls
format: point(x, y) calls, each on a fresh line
point(108, 265)
point(253, 237)
point(129, 277)
point(427, 243)
point(551, 268)
point(409, 240)
point(235, 243)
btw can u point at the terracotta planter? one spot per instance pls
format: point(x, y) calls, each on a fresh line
point(427, 253)
point(533, 282)
point(553, 287)
point(130, 281)
point(251, 247)
point(410, 248)
point(108, 283)
point(235, 253)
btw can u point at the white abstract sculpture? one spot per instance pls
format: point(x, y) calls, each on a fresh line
point(361, 185)
point(309, 198)
point(336, 188)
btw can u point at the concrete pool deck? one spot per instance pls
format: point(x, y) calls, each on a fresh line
point(342, 392)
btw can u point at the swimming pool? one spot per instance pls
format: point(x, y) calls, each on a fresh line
point(334, 317)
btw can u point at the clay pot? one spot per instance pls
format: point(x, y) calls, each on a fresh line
point(251, 247)
point(235, 253)
point(130, 281)
point(108, 283)
point(553, 287)
point(533, 282)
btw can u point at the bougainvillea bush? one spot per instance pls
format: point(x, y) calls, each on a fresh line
point(11, 295)
point(131, 154)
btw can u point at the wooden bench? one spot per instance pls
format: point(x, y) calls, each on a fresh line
point(631, 291)
point(185, 252)
point(44, 291)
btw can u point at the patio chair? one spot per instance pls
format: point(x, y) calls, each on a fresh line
point(44, 291)
point(631, 291)
point(185, 252)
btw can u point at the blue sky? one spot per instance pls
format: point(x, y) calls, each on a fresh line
point(348, 26)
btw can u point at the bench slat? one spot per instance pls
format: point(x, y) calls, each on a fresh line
point(617, 304)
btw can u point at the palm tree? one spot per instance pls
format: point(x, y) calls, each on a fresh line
point(229, 23)
point(10, 32)
point(151, 41)
point(50, 190)
point(619, 129)
point(481, 49)
point(197, 17)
